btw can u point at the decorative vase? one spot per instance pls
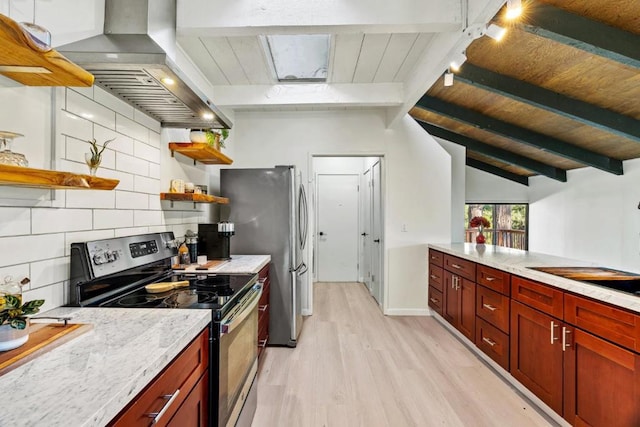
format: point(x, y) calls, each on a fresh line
point(198, 135)
point(11, 338)
point(93, 162)
point(480, 237)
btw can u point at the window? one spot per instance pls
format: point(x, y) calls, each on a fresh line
point(299, 57)
point(509, 224)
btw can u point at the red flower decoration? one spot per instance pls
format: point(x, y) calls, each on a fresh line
point(478, 221)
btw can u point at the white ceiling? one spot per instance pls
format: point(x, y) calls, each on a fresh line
point(383, 54)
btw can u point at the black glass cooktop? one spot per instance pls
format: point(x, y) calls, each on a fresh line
point(215, 292)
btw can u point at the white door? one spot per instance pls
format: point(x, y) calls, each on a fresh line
point(376, 234)
point(337, 229)
point(365, 236)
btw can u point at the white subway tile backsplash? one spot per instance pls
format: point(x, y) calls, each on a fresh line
point(131, 128)
point(126, 179)
point(53, 295)
point(112, 218)
point(146, 121)
point(154, 139)
point(91, 110)
point(144, 151)
point(131, 231)
point(57, 220)
point(50, 271)
point(130, 200)
point(23, 249)
point(172, 217)
point(154, 170)
point(110, 101)
point(154, 202)
point(126, 163)
point(142, 184)
point(75, 126)
point(121, 143)
point(15, 221)
point(86, 91)
point(17, 272)
point(85, 236)
point(147, 218)
point(91, 199)
point(160, 229)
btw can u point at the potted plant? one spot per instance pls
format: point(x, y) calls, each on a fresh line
point(214, 137)
point(14, 324)
point(94, 158)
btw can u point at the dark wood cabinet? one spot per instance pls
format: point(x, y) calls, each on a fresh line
point(493, 308)
point(536, 353)
point(193, 412)
point(601, 382)
point(263, 308)
point(436, 277)
point(459, 306)
point(493, 342)
point(497, 280)
point(460, 267)
point(436, 257)
point(538, 295)
point(169, 391)
point(435, 299)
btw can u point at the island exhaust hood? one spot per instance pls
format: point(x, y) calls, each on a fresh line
point(129, 62)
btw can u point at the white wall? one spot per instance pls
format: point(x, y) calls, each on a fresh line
point(458, 155)
point(416, 181)
point(485, 187)
point(594, 216)
point(38, 226)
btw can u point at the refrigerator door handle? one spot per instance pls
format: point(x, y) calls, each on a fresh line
point(302, 268)
point(303, 219)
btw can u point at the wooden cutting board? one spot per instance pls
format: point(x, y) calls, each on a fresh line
point(43, 337)
point(210, 264)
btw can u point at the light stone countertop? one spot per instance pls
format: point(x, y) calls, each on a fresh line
point(238, 264)
point(91, 378)
point(516, 261)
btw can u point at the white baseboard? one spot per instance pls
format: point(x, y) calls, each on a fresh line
point(306, 312)
point(407, 312)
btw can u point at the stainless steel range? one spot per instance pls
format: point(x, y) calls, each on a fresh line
point(118, 273)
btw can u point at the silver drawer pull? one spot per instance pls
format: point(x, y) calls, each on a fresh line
point(456, 266)
point(262, 343)
point(489, 341)
point(433, 276)
point(489, 307)
point(553, 335)
point(433, 300)
point(157, 415)
point(263, 308)
point(565, 343)
point(261, 281)
point(490, 279)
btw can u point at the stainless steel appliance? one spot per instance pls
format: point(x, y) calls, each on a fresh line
point(215, 240)
point(269, 210)
point(114, 273)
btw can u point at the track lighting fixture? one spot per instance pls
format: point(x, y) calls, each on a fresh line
point(514, 9)
point(495, 32)
point(457, 61)
point(448, 78)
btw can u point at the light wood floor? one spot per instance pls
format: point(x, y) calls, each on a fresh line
point(355, 367)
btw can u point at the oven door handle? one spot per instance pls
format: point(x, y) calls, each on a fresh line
point(241, 311)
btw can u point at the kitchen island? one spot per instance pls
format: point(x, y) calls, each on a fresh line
point(572, 347)
point(90, 379)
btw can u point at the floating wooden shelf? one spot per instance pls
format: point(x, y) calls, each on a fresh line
point(33, 64)
point(42, 178)
point(201, 152)
point(195, 198)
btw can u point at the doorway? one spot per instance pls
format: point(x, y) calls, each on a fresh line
point(348, 201)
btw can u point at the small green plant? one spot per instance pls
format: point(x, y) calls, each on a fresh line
point(13, 313)
point(220, 134)
point(96, 151)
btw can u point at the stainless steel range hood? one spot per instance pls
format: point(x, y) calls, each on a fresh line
point(128, 61)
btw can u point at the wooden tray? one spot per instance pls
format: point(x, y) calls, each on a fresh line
point(43, 337)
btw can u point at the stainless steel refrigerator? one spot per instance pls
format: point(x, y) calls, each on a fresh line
point(269, 210)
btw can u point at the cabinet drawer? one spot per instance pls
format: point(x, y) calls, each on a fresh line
point(264, 298)
point(498, 280)
point(537, 295)
point(435, 276)
point(436, 257)
point(264, 272)
point(435, 299)
point(493, 342)
point(613, 324)
point(461, 267)
point(493, 308)
point(182, 374)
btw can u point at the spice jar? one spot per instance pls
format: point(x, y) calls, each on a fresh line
point(183, 252)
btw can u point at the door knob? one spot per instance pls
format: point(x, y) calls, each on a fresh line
point(364, 234)
point(377, 240)
point(321, 233)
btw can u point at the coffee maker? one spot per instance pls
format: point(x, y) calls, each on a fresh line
point(214, 240)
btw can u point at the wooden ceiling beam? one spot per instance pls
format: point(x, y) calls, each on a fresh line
point(539, 97)
point(494, 170)
point(496, 153)
point(583, 33)
point(522, 135)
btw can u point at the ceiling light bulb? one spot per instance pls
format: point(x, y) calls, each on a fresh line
point(457, 61)
point(514, 9)
point(496, 32)
point(207, 116)
point(167, 81)
point(448, 78)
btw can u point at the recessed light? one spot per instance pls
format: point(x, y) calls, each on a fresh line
point(496, 32)
point(457, 61)
point(207, 116)
point(514, 9)
point(168, 81)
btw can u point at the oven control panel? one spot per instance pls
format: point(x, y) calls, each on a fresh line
point(143, 248)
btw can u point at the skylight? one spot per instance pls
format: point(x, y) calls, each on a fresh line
point(300, 57)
